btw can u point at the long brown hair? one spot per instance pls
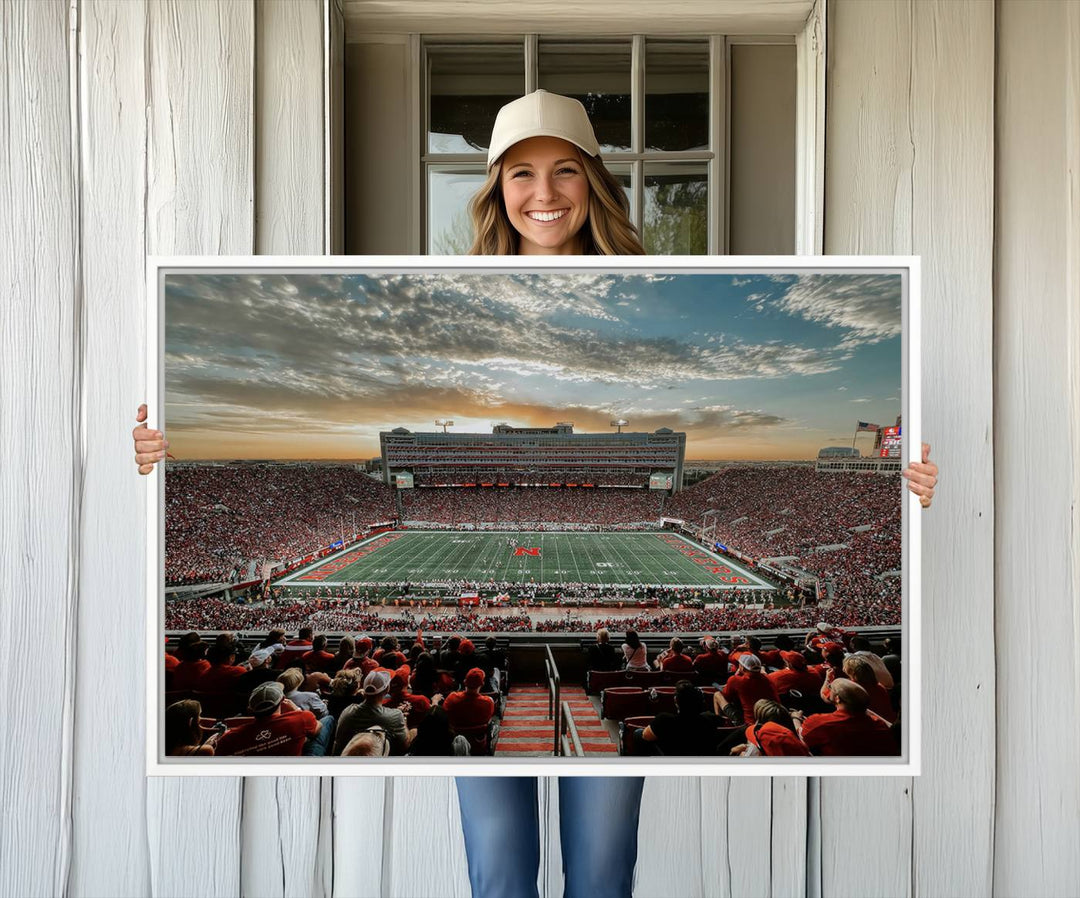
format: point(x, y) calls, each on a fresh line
point(608, 230)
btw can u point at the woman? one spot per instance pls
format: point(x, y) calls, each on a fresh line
point(634, 652)
point(547, 193)
point(183, 734)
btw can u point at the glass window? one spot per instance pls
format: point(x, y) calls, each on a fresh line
point(676, 95)
point(597, 74)
point(676, 213)
point(449, 190)
point(467, 85)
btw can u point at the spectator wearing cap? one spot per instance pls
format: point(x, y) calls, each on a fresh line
point(361, 657)
point(193, 663)
point(371, 712)
point(772, 734)
point(849, 731)
point(824, 636)
point(345, 648)
point(292, 679)
point(466, 660)
point(860, 647)
point(260, 668)
point(224, 674)
point(279, 728)
point(712, 661)
point(745, 687)
point(414, 707)
point(859, 671)
point(692, 730)
point(468, 708)
point(794, 675)
point(318, 659)
point(601, 655)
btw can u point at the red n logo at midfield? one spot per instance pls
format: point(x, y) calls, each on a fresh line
point(521, 550)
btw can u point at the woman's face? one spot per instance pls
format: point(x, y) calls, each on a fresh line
point(546, 195)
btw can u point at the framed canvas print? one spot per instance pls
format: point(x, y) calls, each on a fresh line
point(577, 515)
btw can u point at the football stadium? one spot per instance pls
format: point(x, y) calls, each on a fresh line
point(538, 592)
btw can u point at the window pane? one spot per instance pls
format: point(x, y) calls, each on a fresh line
point(467, 84)
point(449, 192)
point(676, 208)
point(597, 74)
point(623, 174)
point(676, 95)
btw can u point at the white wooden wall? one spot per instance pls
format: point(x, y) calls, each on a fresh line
point(200, 127)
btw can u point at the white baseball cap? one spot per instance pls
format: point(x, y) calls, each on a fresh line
point(541, 114)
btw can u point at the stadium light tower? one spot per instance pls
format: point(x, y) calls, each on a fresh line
point(443, 423)
point(621, 423)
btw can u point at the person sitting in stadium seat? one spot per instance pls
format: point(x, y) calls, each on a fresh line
point(319, 658)
point(361, 657)
point(794, 675)
point(193, 663)
point(292, 680)
point(371, 712)
point(635, 654)
point(772, 659)
point(303, 638)
point(860, 648)
point(345, 649)
point(414, 707)
point(692, 730)
point(373, 743)
point(745, 687)
point(343, 691)
point(183, 734)
point(832, 668)
point(772, 734)
point(224, 674)
point(279, 728)
point(492, 661)
point(849, 731)
point(468, 708)
point(171, 662)
point(389, 655)
point(712, 661)
point(425, 676)
point(673, 658)
point(435, 738)
point(601, 654)
point(466, 660)
point(859, 671)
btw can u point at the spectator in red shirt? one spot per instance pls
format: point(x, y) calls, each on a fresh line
point(673, 658)
point(713, 661)
point(794, 675)
point(468, 709)
point(859, 670)
point(414, 707)
point(745, 687)
point(303, 638)
point(849, 731)
point(772, 734)
point(361, 658)
point(279, 728)
point(193, 663)
point(388, 655)
point(318, 659)
point(224, 673)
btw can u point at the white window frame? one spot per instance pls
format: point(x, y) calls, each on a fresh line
point(810, 125)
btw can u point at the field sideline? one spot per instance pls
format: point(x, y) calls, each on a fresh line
point(542, 558)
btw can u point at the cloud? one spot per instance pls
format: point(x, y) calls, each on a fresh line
point(866, 306)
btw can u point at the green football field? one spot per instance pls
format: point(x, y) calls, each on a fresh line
point(614, 559)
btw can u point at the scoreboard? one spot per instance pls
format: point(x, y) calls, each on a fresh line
point(662, 480)
point(890, 444)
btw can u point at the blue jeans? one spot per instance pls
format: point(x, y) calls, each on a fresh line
point(598, 822)
point(318, 746)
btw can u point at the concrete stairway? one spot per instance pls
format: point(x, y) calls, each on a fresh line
point(526, 731)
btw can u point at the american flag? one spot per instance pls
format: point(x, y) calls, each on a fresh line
point(873, 428)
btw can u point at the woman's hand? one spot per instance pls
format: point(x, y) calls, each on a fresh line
point(922, 477)
point(150, 445)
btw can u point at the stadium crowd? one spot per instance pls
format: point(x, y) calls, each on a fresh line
point(529, 506)
point(222, 517)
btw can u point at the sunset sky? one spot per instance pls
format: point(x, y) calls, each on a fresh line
point(751, 366)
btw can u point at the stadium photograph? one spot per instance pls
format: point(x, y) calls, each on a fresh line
point(564, 515)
